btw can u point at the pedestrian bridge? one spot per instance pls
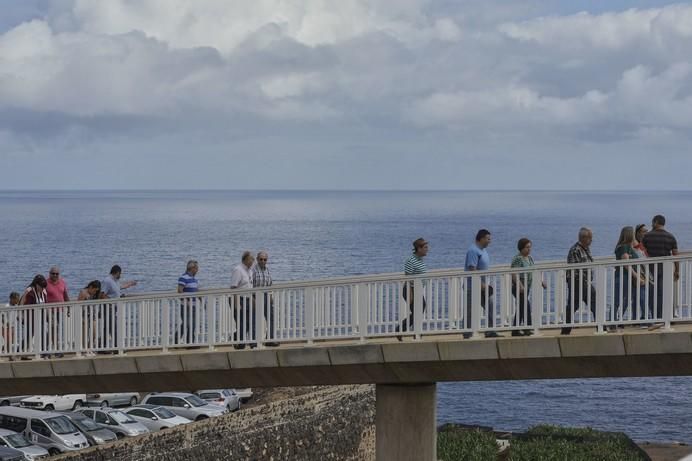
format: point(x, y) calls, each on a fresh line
point(343, 331)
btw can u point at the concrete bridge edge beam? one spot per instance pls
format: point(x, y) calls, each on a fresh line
point(406, 422)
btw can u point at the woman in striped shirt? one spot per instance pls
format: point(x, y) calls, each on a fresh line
point(414, 266)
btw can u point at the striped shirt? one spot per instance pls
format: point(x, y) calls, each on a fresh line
point(414, 265)
point(188, 282)
point(261, 277)
point(578, 255)
point(659, 242)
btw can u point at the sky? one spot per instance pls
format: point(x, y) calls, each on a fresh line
point(354, 94)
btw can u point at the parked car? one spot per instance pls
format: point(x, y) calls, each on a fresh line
point(244, 394)
point(113, 400)
point(54, 402)
point(116, 421)
point(186, 405)
point(10, 454)
point(95, 434)
point(226, 398)
point(52, 431)
point(17, 441)
point(12, 400)
point(155, 418)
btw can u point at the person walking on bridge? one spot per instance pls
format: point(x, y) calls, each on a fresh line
point(111, 287)
point(241, 278)
point(478, 259)
point(579, 286)
point(414, 265)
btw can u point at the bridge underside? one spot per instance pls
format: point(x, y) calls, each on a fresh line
point(433, 359)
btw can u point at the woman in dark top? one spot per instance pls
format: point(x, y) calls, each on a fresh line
point(35, 293)
point(630, 282)
point(91, 314)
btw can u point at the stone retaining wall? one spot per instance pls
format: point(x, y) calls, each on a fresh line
point(330, 423)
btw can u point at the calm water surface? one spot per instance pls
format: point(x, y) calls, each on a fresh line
point(323, 234)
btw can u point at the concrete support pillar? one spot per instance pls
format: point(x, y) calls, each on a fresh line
point(406, 422)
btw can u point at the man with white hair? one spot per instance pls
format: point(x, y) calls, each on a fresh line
point(261, 277)
point(579, 287)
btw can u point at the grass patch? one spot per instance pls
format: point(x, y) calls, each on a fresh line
point(544, 443)
point(553, 443)
point(454, 444)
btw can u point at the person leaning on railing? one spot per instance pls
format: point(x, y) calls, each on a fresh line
point(631, 280)
point(414, 265)
point(90, 338)
point(579, 286)
point(659, 243)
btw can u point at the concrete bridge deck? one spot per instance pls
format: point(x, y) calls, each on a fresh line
point(583, 354)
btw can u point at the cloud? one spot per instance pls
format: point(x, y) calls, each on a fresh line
point(421, 75)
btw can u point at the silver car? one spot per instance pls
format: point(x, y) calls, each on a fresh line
point(116, 421)
point(186, 405)
point(19, 442)
point(155, 418)
point(95, 434)
point(103, 400)
point(11, 454)
point(226, 398)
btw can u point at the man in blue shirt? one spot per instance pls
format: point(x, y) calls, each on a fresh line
point(478, 259)
point(187, 283)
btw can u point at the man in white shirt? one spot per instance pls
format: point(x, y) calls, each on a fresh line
point(241, 278)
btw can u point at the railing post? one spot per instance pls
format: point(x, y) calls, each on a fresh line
point(121, 327)
point(560, 283)
point(476, 308)
point(165, 324)
point(601, 297)
point(259, 319)
point(537, 302)
point(39, 328)
point(418, 308)
point(453, 308)
point(211, 321)
point(77, 323)
point(362, 300)
point(668, 287)
point(309, 314)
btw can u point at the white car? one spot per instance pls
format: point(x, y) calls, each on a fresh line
point(54, 402)
point(226, 398)
point(113, 400)
point(244, 394)
point(155, 418)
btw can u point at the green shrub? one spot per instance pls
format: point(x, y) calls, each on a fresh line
point(552, 443)
point(465, 445)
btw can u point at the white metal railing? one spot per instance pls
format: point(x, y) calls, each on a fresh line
point(603, 294)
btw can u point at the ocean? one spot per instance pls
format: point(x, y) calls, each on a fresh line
point(318, 234)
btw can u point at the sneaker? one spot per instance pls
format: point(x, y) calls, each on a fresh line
point(517, 333)
point(492, 334)
point(239, 346)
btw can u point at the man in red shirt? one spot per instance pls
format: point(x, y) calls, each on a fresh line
point(56, 292)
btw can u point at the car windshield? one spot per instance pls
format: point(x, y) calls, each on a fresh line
point(196, 401)
point(60, 425)
point(86, 424)
point(17, 441)
point(121, 417)
point(210, 395)
point(163, 413)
